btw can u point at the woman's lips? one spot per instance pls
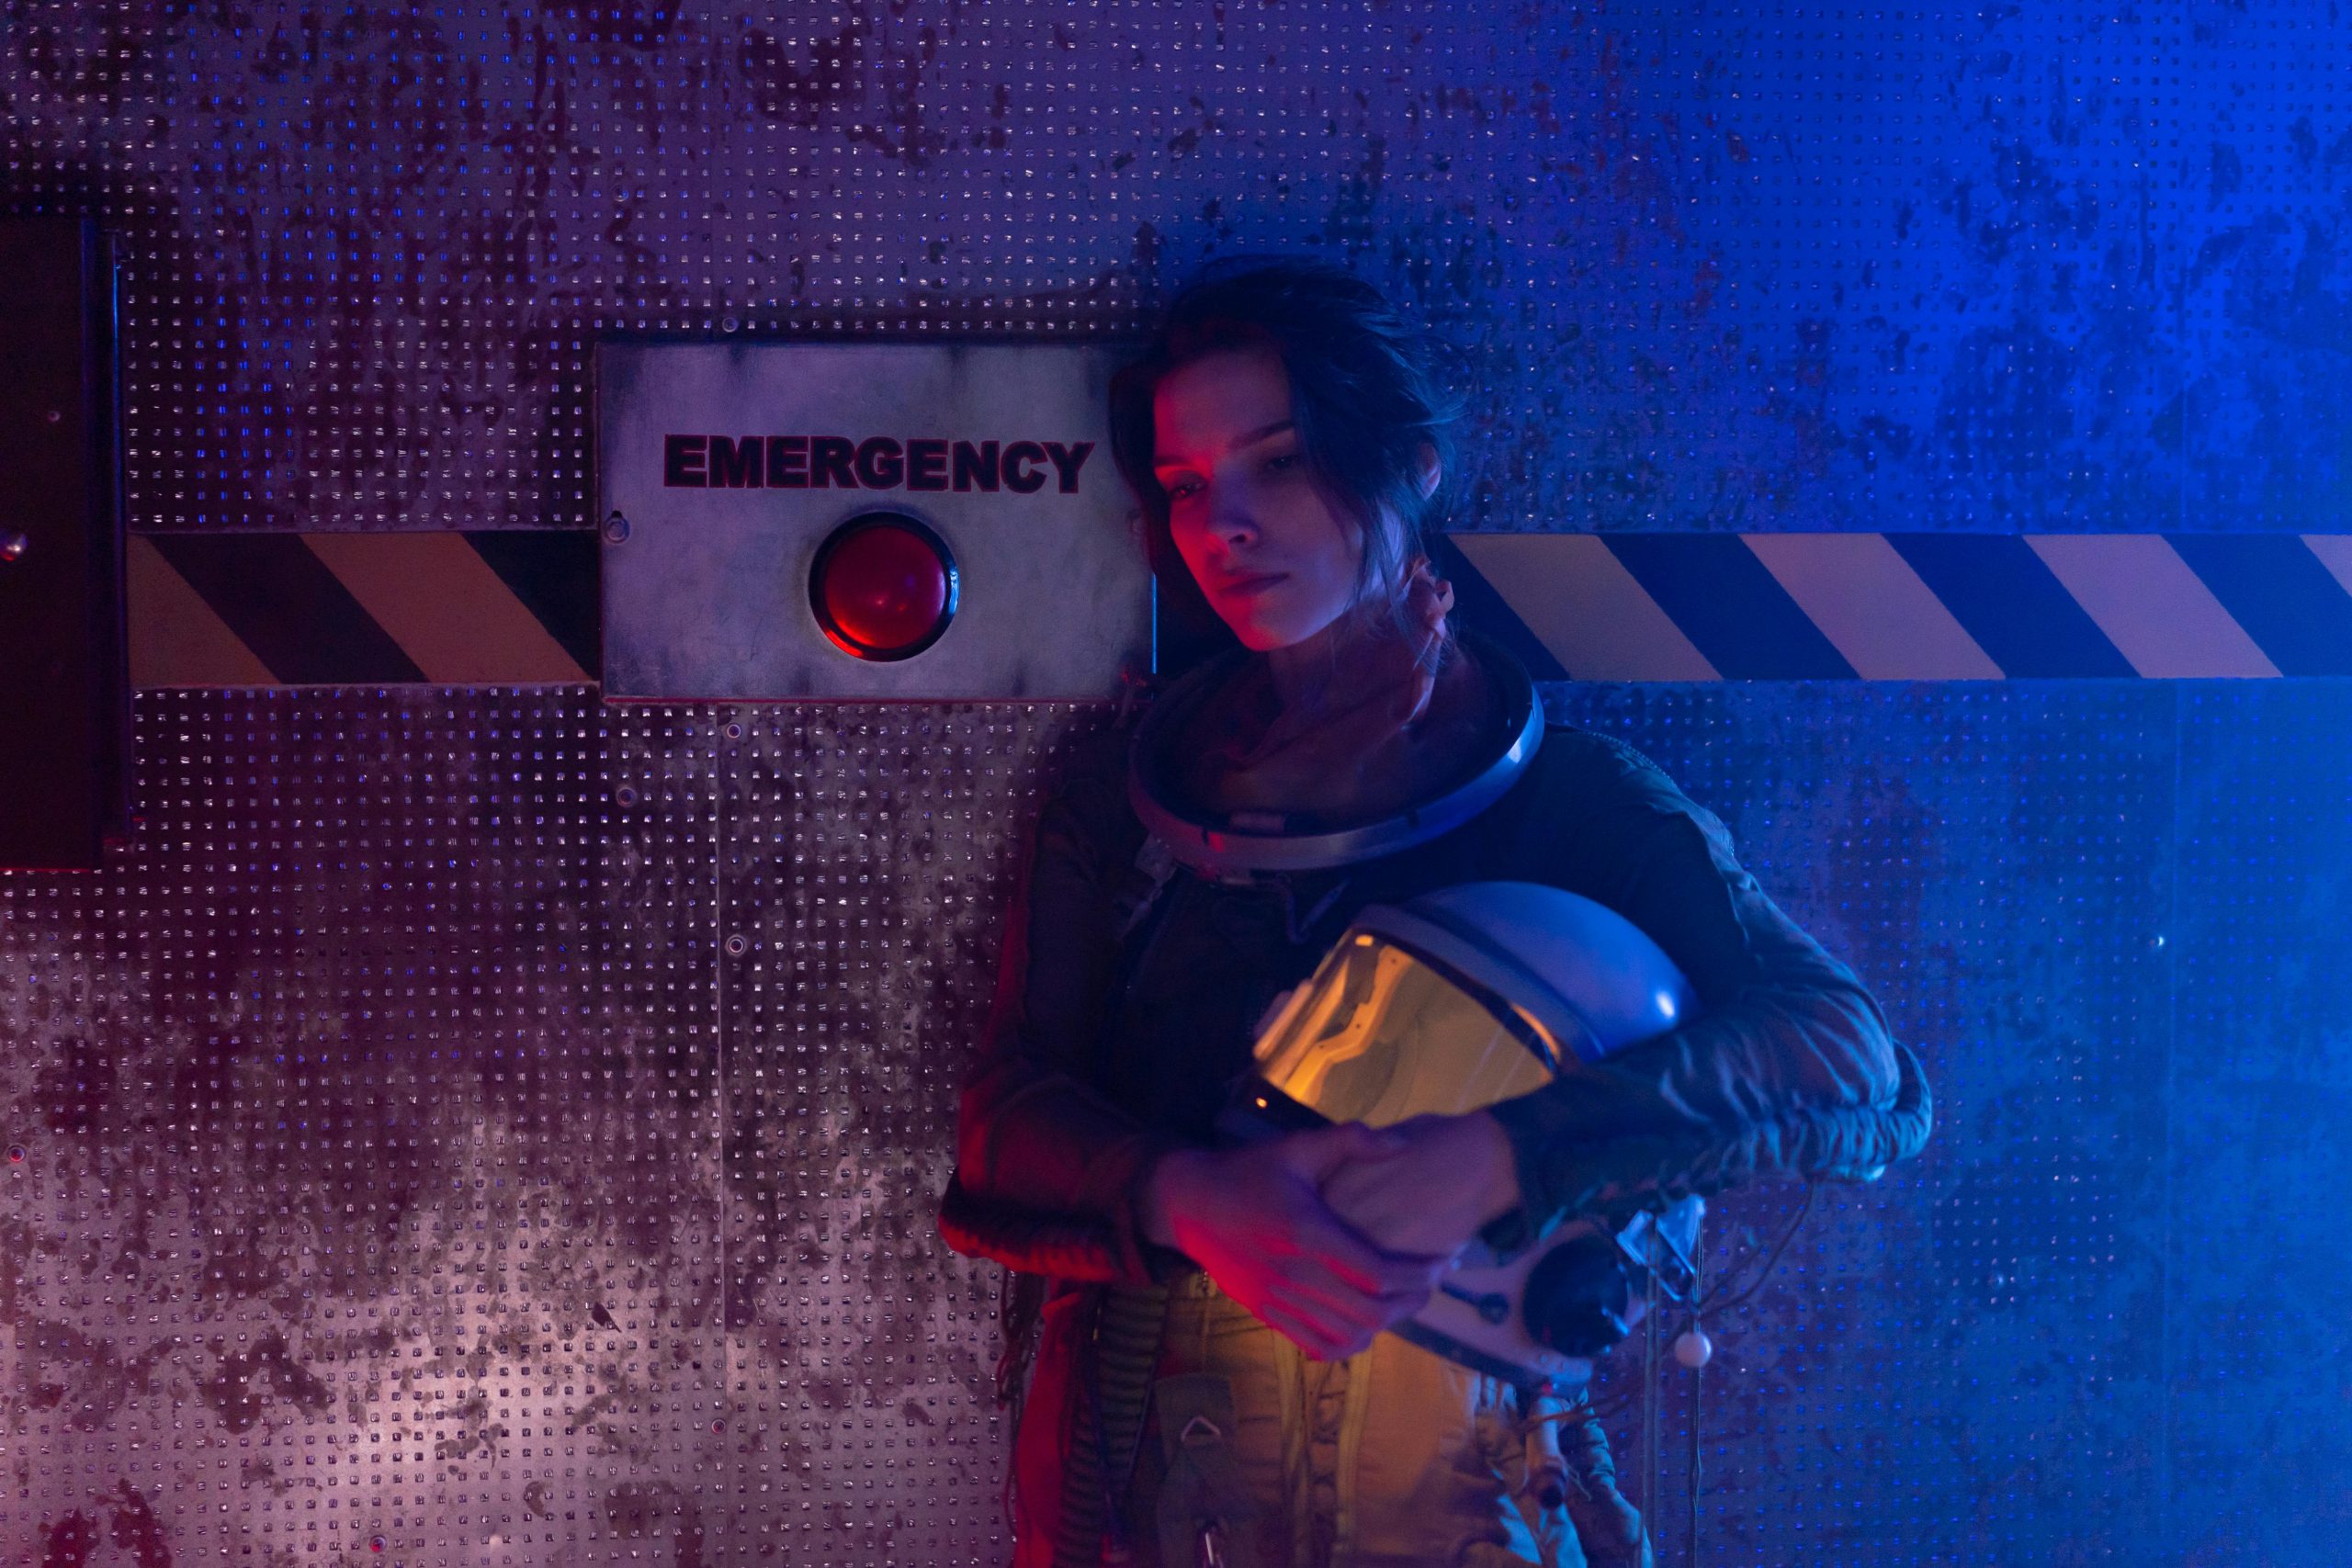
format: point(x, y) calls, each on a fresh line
point(1250, 586)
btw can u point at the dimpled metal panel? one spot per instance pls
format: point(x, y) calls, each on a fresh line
point(478, 1127)
point(492, 1127)
point(1740, 264)
point(363, 1193)
point(503, 1127)
point(2262, 1090)
point(1959, 1362)
point(865, 853)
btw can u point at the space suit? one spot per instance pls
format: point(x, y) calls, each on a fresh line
point(1148, 944)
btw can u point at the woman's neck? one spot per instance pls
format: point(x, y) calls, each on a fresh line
point(1338, 728)
point(1304, 674)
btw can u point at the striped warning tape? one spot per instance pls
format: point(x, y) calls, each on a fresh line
point(519, 606)
point(1910, 606)
point(504, 607)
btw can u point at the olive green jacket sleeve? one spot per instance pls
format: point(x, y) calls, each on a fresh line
point(1048, 1172)
point(1788, 1063)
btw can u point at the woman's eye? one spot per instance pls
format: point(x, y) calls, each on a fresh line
point(1282, 462)
point(1181, 489)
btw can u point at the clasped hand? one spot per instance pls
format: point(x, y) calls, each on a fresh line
point(1329, 1237)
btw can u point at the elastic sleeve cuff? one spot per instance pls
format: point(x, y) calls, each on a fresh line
point(1525, 1123)
point(1140, 1258)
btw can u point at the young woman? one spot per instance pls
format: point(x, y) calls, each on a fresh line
point(1212, 1382)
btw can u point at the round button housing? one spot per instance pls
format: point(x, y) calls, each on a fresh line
point(883, 587)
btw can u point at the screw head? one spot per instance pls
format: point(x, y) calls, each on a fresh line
point(616, 529)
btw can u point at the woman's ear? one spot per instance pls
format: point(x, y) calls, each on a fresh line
point(1431, 470)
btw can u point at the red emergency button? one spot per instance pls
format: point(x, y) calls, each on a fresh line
point(883, 586)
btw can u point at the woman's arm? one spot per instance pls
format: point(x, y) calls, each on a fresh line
point(1785, 1034)
point(1048, 1169)
point(1782, 1025)
point(1053, 1178)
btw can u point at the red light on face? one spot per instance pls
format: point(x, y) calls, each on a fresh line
point(883, 587)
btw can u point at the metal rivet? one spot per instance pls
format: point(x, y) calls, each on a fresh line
point(616, 529)
point(737, 946)
point(624, 796)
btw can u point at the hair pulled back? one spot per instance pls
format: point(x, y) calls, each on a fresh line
point(1364, 398)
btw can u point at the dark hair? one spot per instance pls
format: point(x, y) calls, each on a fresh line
point(1362, 393)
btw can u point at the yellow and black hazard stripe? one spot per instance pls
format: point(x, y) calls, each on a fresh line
point(495, 608)
point(1910, 606)
point(520, 606)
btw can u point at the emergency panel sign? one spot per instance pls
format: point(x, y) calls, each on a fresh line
point(865, 521)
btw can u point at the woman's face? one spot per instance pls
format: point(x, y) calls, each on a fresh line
point(1277, 560)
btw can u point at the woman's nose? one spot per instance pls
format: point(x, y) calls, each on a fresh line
point(1230, 517)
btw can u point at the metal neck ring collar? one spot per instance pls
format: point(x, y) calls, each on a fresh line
point(1211, 845)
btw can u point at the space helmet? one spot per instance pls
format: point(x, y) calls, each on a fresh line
point(1454, 1001)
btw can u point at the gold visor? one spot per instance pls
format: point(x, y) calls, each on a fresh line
point(1381, 1032)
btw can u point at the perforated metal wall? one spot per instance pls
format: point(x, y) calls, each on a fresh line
point(486, 1126)
point(503, 1128)
point(478, 1127)
point(1725, 264)
point(1963, 1362)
